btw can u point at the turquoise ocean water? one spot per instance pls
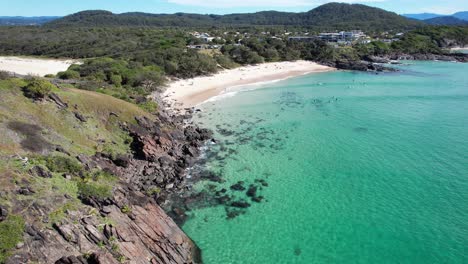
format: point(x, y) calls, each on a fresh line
point(360, 168)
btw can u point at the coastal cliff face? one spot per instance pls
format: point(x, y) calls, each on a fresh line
point(148, 235)
point(88, 188)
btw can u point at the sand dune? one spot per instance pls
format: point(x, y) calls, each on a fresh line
point(33, 66)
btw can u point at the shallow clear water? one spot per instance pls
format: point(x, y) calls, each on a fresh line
point(361, 168)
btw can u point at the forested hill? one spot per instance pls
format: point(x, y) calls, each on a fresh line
point(446, 20)
point(328, 16)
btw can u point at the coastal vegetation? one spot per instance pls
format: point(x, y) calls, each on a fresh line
point(88, 141)
point(130, 63)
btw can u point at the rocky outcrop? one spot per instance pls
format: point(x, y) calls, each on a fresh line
point(360, 66)
point(161, 156)
point(58, 101)
point(374, 63)
point(422, 56)
point(129, 227)
point(3, 213)
point(148, 233)
point(142, 233)
point(40, 172)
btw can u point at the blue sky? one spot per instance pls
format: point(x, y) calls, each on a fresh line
point(64, 7)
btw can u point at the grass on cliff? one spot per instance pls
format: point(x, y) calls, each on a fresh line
point(32, 129)
point(97, 185)
point(101, 132)
point(11, 233)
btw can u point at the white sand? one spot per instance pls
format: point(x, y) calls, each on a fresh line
point(191, 92)
point(38, 67)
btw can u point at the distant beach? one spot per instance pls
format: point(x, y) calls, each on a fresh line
point(459, 50)
point(34, 66)
point(190, 92)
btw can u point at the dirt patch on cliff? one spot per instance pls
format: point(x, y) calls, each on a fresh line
point(33, 140)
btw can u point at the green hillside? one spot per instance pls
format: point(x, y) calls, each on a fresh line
point(38, 148)
point(328, 16)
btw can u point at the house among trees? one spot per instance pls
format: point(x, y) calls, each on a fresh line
point(204, 46)
point(203, 36)
point(334, 37)
point(343, 36)
point(302, 38)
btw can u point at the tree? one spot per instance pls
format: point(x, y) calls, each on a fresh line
point(149, 79)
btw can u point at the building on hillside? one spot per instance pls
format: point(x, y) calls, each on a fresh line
point(302, 38)
point(342, 37)
point(330, 37)
point(204, 47)
point(389, 40)
point(365, 40)
point(204, 36)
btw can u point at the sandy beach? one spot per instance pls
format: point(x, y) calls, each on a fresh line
point(33, 66)
point(191, 92)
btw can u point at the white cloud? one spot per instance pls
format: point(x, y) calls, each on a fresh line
point(260, 3)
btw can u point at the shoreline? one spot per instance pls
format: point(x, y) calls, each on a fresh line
point(189, 93)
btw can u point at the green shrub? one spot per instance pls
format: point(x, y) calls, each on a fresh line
point(49, 76)
point(97, 184)
point(153, 191)
point(38, 88)
point(60, 213)
point(126, 209)
point(103, 176)
point(92, 189)
point(149, 106)
point(225, 62)
point(116, 80)
point(11, 233)
point(62, 164)
point(111, 151)
point(90, 85)
point(69, 74)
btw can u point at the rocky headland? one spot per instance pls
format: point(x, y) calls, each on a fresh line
point(63, 202)
point(375, 63)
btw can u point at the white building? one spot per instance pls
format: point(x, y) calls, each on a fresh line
point(343, 36)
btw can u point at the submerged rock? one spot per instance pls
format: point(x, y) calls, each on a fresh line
point(239, 186)
point(257, 199)
point(233, 213)
point(240, 204)
point(252, 192)
point(262, 182)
